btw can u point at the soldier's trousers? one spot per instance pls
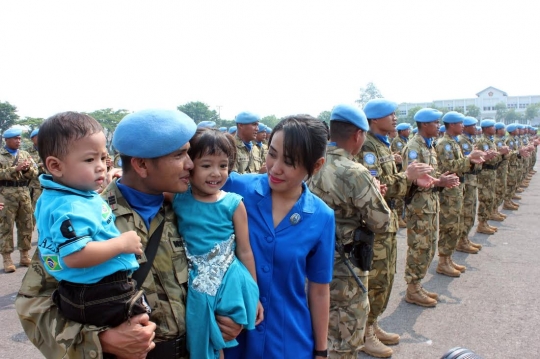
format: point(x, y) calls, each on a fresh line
point(17, 210)
point(349, 309)
point(450, 225)
point(35, 192)
point(381, 276)
point(486, 193)
point(422, 234)
point(500, 189)
point(511, 182)
point(400, 204)
point(468, 214)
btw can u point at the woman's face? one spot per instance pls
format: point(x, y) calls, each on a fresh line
point(282, 176)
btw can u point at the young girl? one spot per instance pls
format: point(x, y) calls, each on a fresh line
point(213, 223)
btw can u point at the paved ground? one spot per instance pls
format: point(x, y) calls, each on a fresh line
point(491, 309)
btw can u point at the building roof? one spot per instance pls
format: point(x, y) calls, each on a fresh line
point(491, 88)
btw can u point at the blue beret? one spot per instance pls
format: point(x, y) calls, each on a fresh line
point(153, 133)
point(34, 133)
point(469, 121)
point(403, 126)
point(499, 126)
point(246, 118)
point(262, 127)
point(453, 117)
point(206, 124)
point(478, 128)
point(511, 128)
point(427, 115)
point(487, 123)
point(379, 108)
point(350, 114)
point(268, 129)
point(520, 126)
point(442, 128)
point(12, 132)
point(415, 130)
point(223, 129)
point(232, 129)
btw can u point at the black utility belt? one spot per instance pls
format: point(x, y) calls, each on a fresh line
point(490, 167)
point(391, 203)
point(14, 183)
point(170, 349)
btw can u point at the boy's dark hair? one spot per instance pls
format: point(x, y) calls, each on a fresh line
point(342, 131)
point(211, 141)
point(304, 140)
point(59, 131)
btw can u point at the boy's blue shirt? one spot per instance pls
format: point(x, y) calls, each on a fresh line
point(67, 219)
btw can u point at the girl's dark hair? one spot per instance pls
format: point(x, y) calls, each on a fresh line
point(304, 140)
point(58, 132)
point(211, 141)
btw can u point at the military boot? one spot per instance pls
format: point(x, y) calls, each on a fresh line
point(520, 190)
point(9, 267)
point(456, 266)
point(444, 267)
point(383, 336)
point(508, 205)
point(483, 227)
point(492, 227)
point(532, 172)
point(495, 217)
point(414, 295)
point(373, 346)
point(524, 184)
point(402, 223)
point(516, 197)
point(501, 215)
point(429, 294)
point(464, 246)
point(25, 259)
point(475, 245)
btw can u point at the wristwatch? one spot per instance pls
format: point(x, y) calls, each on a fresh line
point(321, 353)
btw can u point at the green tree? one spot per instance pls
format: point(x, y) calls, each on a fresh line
point(368, 93)
point(31, 122)
point(473, 111)
point(8, 115)
point(502, 110)
point(270, 121)
point(512, 116)
point(410, 116)
point(199, 111)
point(531, 112)
point(109, 118)
point(325, 117)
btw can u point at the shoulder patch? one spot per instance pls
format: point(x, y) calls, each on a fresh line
point(369, 158)
point(374, 173)
point(399, 144)
point(413, 154)
point(465, 146)
point(486, 147)
point(447, 147)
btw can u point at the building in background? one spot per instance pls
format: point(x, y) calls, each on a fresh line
point(486, 100)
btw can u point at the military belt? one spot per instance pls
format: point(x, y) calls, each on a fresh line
point(170, 349)
point(490, 167)
point(391, 203)
point(14, 183)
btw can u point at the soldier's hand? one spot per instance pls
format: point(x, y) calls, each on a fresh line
point(477, 156)
point(263, 168)
point(1, 206)
point(133, 339)
point(131, 242)
point(416, 170)
point(383, 189)
point(490, 154)
point(397, 158)
point(425, 181)
point(448, 180)
point(23, 166)
point(504, 150)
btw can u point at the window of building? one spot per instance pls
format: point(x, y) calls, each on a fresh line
point(402, 113)
point(512, 105)
point(523, 105)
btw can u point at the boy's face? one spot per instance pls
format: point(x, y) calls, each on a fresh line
point(84, 167)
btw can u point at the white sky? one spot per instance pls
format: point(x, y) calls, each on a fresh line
point(270, 57)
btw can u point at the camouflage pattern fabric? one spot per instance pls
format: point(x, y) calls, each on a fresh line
point(450, 159)
point(513, 167)
point(245, 160)
point(502, 173)
point(259, 156)
point(348, 188)
point(487, 180)
point(165, 289)
point(470, 192)
point(422, 214)
point(397, 146)
point(17, 203)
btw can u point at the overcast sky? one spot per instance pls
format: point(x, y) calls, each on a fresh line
point(269, 57)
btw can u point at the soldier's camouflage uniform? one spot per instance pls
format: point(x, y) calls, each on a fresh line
point(513, 167)
point(450, 159)
point(397, 146)
point(379, 161)
point(165, 289)
point(348, 188)
point(487, 180)
point(470, 192)
point(15, 194)
point(422, 214)
point(245, 160)
point(35, 186)
point(502, 173)
point(259, 155)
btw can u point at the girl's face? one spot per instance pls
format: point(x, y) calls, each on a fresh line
point(209, 174)
point(282, 176)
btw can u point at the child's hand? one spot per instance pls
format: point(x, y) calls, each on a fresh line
point(260, 314)
point(131, 242)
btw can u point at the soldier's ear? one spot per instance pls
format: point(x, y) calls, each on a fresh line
point(54, 166)
point(139, 165)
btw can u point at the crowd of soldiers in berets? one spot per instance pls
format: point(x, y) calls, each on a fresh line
point(378, 176)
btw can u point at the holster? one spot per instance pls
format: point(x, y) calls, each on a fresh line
point(361, 254)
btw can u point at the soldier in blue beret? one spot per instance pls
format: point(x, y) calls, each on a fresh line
point(223, 129)
point(17, 168)
point(442, 130)
point(247, 128)
point(232, 130)
point(397, 146)
point(260, 150)
point(206, 124)
point(34, 185)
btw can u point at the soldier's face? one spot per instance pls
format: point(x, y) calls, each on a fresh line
point(471, 130)
point(169, 173)
point(14, 142)
point(490, 131)
point(261, 136)
point(431, 129)
point(247, 132)
point(386, 124)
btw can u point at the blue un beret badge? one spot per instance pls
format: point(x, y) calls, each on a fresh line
point(369, 158)
point(413, 154)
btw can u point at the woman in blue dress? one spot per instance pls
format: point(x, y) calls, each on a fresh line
point(292, 237)
point(213, 223)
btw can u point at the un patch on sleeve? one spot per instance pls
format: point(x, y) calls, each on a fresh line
point(448, 147)
point(486, 147)
point(413, 154)
point(374, 173)
point(399, 144)
point(499, 144)
point(369, 158)
point(465, 146)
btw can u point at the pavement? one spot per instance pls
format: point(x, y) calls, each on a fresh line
point(491, 309)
